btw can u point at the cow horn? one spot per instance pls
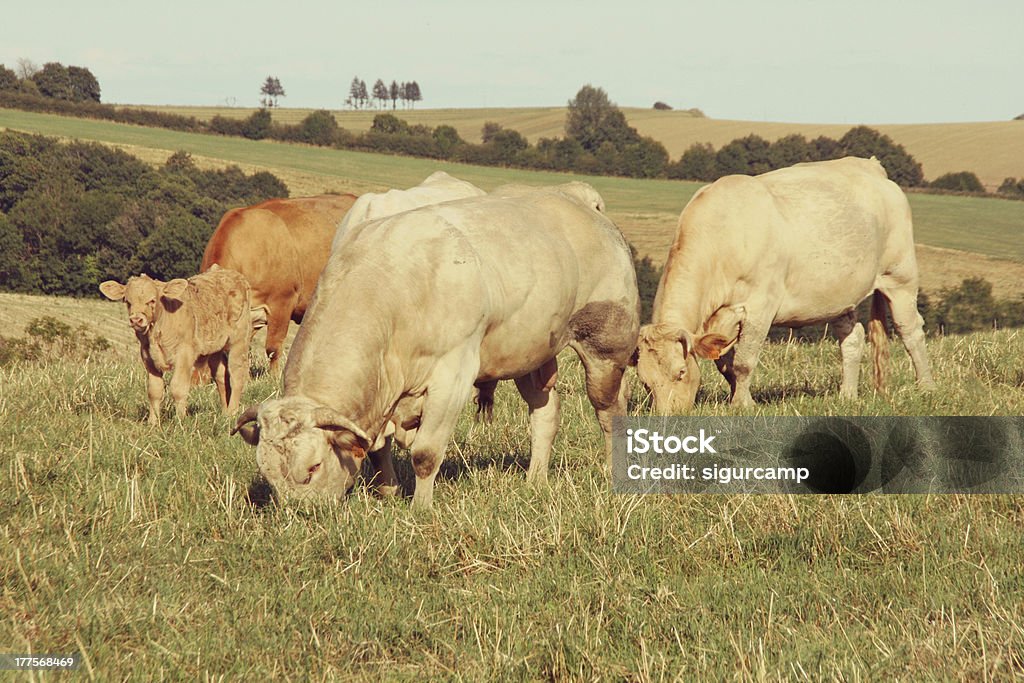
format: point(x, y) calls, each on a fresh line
point(245, 418)
point(328, 418)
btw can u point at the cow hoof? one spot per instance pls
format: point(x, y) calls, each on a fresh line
point(387, 491)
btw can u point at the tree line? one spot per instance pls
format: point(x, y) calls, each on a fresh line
point(359, 97)
point(53, 80)
point(75, 214)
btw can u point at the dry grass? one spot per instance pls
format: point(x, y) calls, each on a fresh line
point(993, 150)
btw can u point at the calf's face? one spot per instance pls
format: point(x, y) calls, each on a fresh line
point(303, 448)
point(141, 294)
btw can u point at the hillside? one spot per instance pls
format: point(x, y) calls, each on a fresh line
point(993, 150)
point(947, 228)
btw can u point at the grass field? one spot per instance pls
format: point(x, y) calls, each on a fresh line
point(139, 548)
point(994, 150)
point(646, 210)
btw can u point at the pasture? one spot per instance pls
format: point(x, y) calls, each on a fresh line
point(957, 236)
point(992, 149)
point(140, 548)
point(156, 553)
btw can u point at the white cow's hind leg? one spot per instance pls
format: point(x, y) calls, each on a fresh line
point(910, 326)
point(539, 392)
point(850, 334)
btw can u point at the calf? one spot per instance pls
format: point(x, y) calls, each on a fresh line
point(183, 324)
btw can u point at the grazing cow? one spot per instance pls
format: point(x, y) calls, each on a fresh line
point(182, 324)
point(796, 246)
point(280, 246)
point(414, 310)
point(436, 188)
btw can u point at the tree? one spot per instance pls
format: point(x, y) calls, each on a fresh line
point(8, 79)
point(26, 68)
point(257, 126)
point(593, 119)
point(393, 93)
point(446, 138)
point(789, 150)
point(696, 163)
point(389, 124)
point(84, 86)
point(319, 128)
point(964, 181)
point(53, 81)
point(661, 106)
point(903, 169)
point(380, 93)
point(413, 92)
point(1012, 187)
point(271, 90)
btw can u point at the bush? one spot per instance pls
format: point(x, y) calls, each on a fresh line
point(1011, 187)
point(696, 163)
point(964, 181)
point(52, 339)
point(318, 128)
point(661, 106)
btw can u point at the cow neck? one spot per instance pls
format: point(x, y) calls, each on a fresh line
point(355, 381)
point(684, 299)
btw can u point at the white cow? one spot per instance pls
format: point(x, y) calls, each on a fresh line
point(796, 246)
point(436, 188)
point(414, 310)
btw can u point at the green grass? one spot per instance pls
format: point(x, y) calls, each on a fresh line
point(138, 547)
point(645, 209)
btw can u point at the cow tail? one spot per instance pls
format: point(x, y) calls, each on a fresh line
point(878, 335)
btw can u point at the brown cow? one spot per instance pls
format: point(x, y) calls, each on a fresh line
point(280, 246)
point(184, 323)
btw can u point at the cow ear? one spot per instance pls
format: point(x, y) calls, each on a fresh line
point(723, 330)
point(248, 427)
point(113, 290)
point(174, 289)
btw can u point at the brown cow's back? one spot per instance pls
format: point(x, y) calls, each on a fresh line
point(280, 246)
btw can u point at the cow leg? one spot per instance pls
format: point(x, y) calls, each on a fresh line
point(744, 357)
point(605, 389)
point(448, 391)
point(155, 393)
point(850, 334)
point(910, 326)
point(238, 373)
point(277, 329)
point(384, 479)
point(724, 364)
point(181, 381)
point(218, 370)
point(538, 390)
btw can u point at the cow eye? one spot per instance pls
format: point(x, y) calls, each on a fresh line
point(682, 374)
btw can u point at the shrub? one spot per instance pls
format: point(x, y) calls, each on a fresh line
point(964, 181)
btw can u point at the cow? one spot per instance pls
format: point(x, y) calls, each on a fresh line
point(795, 246)
point(414, 310)
point(280, 246)
point(436, 188)
point(182, 324)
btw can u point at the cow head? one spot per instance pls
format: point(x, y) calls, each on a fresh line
point(142, 294)
point(304, 448)
point(667, 357)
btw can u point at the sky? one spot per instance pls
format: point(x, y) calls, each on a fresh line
point(773, 60)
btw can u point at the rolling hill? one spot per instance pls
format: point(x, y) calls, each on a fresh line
point(993, 150)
